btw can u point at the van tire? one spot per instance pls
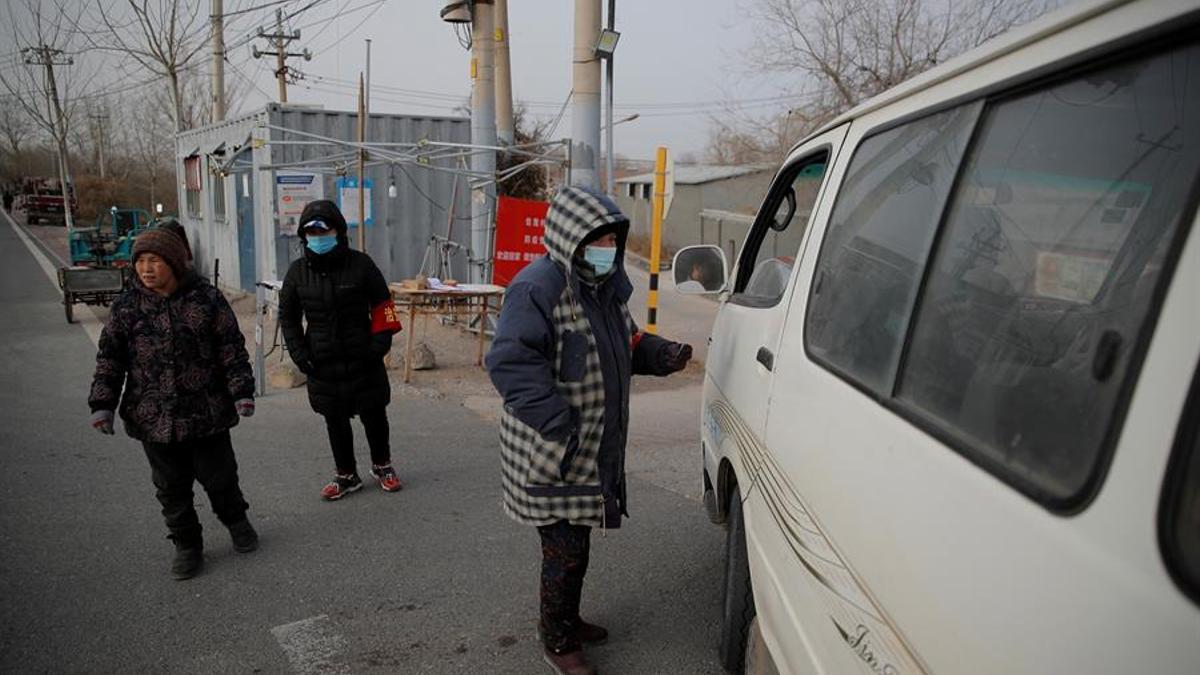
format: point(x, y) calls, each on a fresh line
point(737, 607)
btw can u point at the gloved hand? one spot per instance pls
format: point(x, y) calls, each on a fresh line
point(305, 365)
point(102, 421)
point(677, 356)
point(245, 407)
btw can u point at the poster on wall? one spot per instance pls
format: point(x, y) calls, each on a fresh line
point(347, 191)
point(294, 190)
point(520, 227)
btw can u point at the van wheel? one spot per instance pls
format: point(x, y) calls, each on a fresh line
point(737, 610)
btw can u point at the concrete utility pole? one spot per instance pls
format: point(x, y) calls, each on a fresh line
point(609, 180)
point(218, 60)
point(100, 120)
point(504, 102)
point(585, 83)
point(483, 133)
point(281, 54)
point(47, 56)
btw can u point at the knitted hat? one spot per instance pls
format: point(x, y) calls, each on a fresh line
point(166, 245)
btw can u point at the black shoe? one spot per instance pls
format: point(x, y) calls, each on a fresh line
point(245, 539)
point(189, 558)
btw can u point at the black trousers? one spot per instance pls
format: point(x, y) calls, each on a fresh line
point(565, 551)
point(174, 467)
point(341, 439)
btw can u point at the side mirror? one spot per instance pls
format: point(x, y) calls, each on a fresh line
point(700, 270)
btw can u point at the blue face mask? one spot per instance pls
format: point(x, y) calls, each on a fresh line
point(323, 244)
point(601, 258)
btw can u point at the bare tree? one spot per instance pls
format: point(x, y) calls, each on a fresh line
point(45, 84)
point(162, 36)
point(531, 182)
point(15, 129)
point(838, 53)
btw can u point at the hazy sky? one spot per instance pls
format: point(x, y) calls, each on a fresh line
point(676, 62)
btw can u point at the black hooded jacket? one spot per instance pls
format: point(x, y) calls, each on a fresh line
point(334, 294)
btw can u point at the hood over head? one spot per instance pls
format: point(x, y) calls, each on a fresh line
point(327, 212)
point(578, 215)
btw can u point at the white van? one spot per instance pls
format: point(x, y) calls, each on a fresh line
point(952, 407)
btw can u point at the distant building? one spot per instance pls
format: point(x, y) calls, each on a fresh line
point(242, 182)
point(731, 192)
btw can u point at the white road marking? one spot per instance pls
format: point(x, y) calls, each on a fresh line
point(89, 320)
point(312, 645)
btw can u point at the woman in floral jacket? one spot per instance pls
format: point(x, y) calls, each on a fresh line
point(173, 358)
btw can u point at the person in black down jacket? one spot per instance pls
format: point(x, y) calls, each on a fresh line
point(350, 318)
point(174, 358)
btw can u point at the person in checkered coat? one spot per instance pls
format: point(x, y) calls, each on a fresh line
point(564, 351)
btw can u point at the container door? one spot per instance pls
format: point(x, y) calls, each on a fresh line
point(245, 219)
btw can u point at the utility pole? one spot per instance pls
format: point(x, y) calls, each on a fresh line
point(483, 135)
point(218, 60)
point(608, 107)
point(504, 104)
point(585, 83)
point(100, 120)
point(44, 55)
point(362, 157)
point(281, 54)
point(367, 87)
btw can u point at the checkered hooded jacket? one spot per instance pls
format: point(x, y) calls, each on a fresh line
point(546, 364)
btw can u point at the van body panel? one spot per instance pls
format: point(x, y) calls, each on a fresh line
point(739, 331)
point(876, 547)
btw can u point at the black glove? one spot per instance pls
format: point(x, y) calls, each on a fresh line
point(305, 365)
point(677, 355)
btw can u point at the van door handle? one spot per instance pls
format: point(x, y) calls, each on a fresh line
point(766, 358)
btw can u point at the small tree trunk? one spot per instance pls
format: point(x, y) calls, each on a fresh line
point(177, 99)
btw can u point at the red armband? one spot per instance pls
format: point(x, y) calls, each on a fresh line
point(384, 318)
point(637, 337)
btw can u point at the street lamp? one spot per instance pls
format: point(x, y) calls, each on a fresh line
point(606, 43)
point(456, 11)
point(606, 46)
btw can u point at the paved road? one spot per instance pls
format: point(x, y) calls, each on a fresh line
point(433, 579)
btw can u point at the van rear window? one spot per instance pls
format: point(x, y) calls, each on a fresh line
point(1046, 271)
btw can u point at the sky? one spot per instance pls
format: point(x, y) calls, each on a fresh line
point(677, 62)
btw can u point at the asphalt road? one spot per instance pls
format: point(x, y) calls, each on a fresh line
point(432, 579)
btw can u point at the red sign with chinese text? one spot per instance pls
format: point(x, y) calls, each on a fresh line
point(520, 224)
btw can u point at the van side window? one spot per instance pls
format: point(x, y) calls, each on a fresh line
point(878, 240)
point(1047, 274)
point(766, 260)
point(1179, 515)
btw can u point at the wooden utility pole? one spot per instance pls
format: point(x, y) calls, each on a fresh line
point(218, 60)
point(281, 40)
point(362, 156)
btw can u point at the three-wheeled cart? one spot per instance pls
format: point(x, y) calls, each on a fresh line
point(91, 285)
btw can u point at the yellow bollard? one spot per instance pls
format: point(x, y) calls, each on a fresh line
point(660, 188)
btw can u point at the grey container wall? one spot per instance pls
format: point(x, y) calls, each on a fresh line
point(248, 240)
point(402, 226)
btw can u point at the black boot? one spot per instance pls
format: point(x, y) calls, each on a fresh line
point(189, 556)
point(245, 539)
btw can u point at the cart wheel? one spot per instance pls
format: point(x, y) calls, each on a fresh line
point(69, 308)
